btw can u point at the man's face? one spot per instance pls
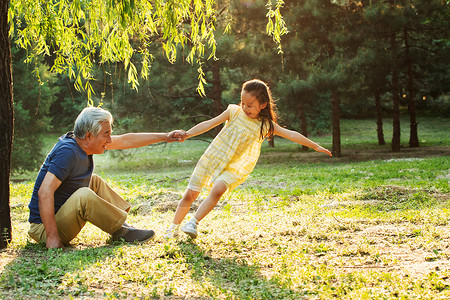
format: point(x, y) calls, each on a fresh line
point(97, 144)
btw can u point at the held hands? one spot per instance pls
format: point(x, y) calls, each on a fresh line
point(176, 136)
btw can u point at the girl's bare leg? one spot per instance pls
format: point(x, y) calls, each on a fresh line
point(184, 205)
point(218, 189)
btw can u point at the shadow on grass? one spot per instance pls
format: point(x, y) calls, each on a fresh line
point(233, 277)
point(36, 272)
point(352, 153)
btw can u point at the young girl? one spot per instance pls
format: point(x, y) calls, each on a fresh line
point(232, 155)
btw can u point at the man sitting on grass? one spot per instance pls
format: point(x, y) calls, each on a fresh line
point(66, 194)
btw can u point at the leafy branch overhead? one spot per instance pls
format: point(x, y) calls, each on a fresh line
point(81, 33)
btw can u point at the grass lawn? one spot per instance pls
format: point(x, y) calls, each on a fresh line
point(369, 225)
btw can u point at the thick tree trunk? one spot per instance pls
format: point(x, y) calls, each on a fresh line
point(413, 136)
point(303, 124)
point(336, 116)
point(395, 146)
point(6, 125)
point(379, 110)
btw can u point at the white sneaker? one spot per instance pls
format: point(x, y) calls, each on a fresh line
point(190, 228)
point(171, 232)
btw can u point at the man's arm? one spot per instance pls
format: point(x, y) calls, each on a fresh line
point(136, 140)
point(46, 196)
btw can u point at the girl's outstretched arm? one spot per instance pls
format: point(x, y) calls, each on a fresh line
point(298, 138)
point(208, 124)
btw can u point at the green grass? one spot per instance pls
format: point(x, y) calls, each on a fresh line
point(369, 225)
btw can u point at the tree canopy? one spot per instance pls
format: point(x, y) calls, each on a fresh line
point(78, 34)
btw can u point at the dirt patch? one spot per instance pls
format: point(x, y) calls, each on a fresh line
point(162, 202)
point(402, 192)
point(6, 256)
point(409, 248)
point(355, 155)
point(387, 154)
point(172, 206)
point(396, 252)
point(395, 193)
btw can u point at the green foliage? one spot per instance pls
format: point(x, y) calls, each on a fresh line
point(416, 20)
point(32, 100)
point(276, 27)
point(69, 103)
point(128, 47)
point(79, 33)
point(436, 106)
point(340, 46)
point(295, 94)
point(345, 46)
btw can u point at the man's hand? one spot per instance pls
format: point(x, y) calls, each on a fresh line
point(46, 196)
point(53, 242)
point(176, 136)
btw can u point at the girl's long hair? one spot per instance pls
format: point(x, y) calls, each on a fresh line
point(268, 115)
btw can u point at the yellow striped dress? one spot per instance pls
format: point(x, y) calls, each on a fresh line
point(232, 154)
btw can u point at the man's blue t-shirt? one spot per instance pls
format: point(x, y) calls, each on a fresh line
point(71, 165)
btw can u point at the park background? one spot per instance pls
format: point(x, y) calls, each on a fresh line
point(338, 60)
point(367, 79)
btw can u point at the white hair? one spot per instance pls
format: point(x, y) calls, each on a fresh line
point(89, 120)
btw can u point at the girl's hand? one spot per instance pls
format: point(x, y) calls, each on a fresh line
point(177, 135)
point(324, 150)
point(183, 135)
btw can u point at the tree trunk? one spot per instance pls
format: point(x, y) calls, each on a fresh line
point(413, 136)
point(303, 124)
point(6, 125)
point(395, 146)
point(271, 141)
point(336, 116)
point(335, 113)
point(380, 133)
point(216, 94)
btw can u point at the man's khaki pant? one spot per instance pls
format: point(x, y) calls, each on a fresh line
point(98, 204)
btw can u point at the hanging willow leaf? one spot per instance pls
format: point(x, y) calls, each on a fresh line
point(75, 32)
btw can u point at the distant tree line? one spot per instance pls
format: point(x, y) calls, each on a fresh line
point(352, 59)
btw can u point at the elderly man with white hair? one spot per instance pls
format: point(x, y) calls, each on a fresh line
point(67, 194)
